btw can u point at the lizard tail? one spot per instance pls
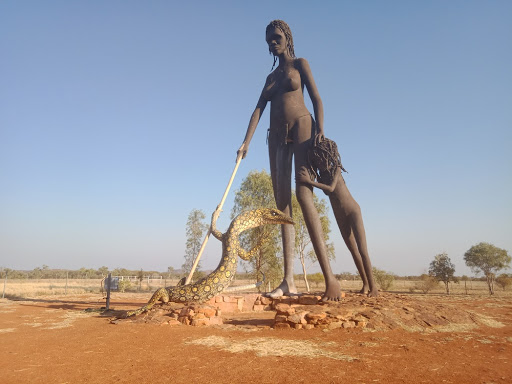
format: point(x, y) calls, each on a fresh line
point(246, 287)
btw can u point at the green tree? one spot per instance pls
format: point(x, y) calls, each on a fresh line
point(83, 273)
point(103, 271)
point(196, 230)
point(256, 192)
point(46, 272)
point(121, 272)
point(487, 259)
point(442, 269)
point(36, 273)
point(302, 240)
point(140, 277)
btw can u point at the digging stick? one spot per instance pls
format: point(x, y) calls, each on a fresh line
point(218, 210)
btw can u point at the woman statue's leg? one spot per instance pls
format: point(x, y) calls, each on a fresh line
point(303, 135)
point(314, 226)
point(280, 171)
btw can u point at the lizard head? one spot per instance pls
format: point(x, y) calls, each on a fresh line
point(262, 216)
point(273, 216)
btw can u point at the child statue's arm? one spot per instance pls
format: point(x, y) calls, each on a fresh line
point(306, 179)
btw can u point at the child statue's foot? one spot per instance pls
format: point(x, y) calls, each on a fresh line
point(284, 289)
point(332, 292)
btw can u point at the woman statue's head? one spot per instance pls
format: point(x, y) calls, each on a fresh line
point(278, 29)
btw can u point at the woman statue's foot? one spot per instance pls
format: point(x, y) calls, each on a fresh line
point(373, 293)
point(332, 291)
point(285, 289)
point(364, 290)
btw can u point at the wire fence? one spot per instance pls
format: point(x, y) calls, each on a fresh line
point(148, 284)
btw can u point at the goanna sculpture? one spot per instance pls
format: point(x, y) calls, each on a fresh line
point(221, 277)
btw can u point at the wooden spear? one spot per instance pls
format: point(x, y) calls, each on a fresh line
point(217, 211)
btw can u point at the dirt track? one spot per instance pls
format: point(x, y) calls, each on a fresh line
point(52, 340)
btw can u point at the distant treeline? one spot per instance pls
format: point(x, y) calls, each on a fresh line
point(44, 272)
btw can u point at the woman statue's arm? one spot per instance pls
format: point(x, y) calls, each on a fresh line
point(318, 107)
point(253, 123)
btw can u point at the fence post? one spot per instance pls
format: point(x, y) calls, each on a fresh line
point(109, 280)
point(5, 282)
point(66, 288)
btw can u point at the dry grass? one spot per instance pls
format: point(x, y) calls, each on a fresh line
point(473, 288)
point(270, 347)
point(47, 287)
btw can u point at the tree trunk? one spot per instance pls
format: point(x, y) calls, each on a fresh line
point(490, 283)
point(447, 284)
point(258, 269)
point(303, 262)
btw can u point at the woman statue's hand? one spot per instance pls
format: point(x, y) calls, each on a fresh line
point(242, 151)
point(319, 137)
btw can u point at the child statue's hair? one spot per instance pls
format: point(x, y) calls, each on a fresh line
point(324, 156)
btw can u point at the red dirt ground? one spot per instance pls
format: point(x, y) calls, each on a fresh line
point(52, 340)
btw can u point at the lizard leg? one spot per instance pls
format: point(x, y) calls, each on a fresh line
point(244, 255)
point(159, 295)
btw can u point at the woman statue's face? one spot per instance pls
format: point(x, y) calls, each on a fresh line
point(276, 41)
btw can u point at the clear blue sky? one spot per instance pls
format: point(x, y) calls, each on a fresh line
point(117, 118)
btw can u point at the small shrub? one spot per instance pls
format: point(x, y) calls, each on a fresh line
point(124, 285)
point(427, 283)
point(384, 279)
point(504, 280)
point(316, 278)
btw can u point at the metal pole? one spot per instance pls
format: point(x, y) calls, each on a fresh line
point(109, 281)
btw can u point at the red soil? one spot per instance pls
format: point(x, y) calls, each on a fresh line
point(52, 340)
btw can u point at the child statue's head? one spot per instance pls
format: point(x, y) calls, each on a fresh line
point(324, 160)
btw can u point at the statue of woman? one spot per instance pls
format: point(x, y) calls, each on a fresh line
point(292, 131)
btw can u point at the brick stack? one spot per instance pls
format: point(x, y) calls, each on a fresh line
point(306, 312)
point(414, 313)
point(196, 315)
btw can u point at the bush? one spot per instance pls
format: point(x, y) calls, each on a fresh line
point(316, 278)
point(427, 283)
point(384, 279)
point(124, 285)
point(504, 280)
